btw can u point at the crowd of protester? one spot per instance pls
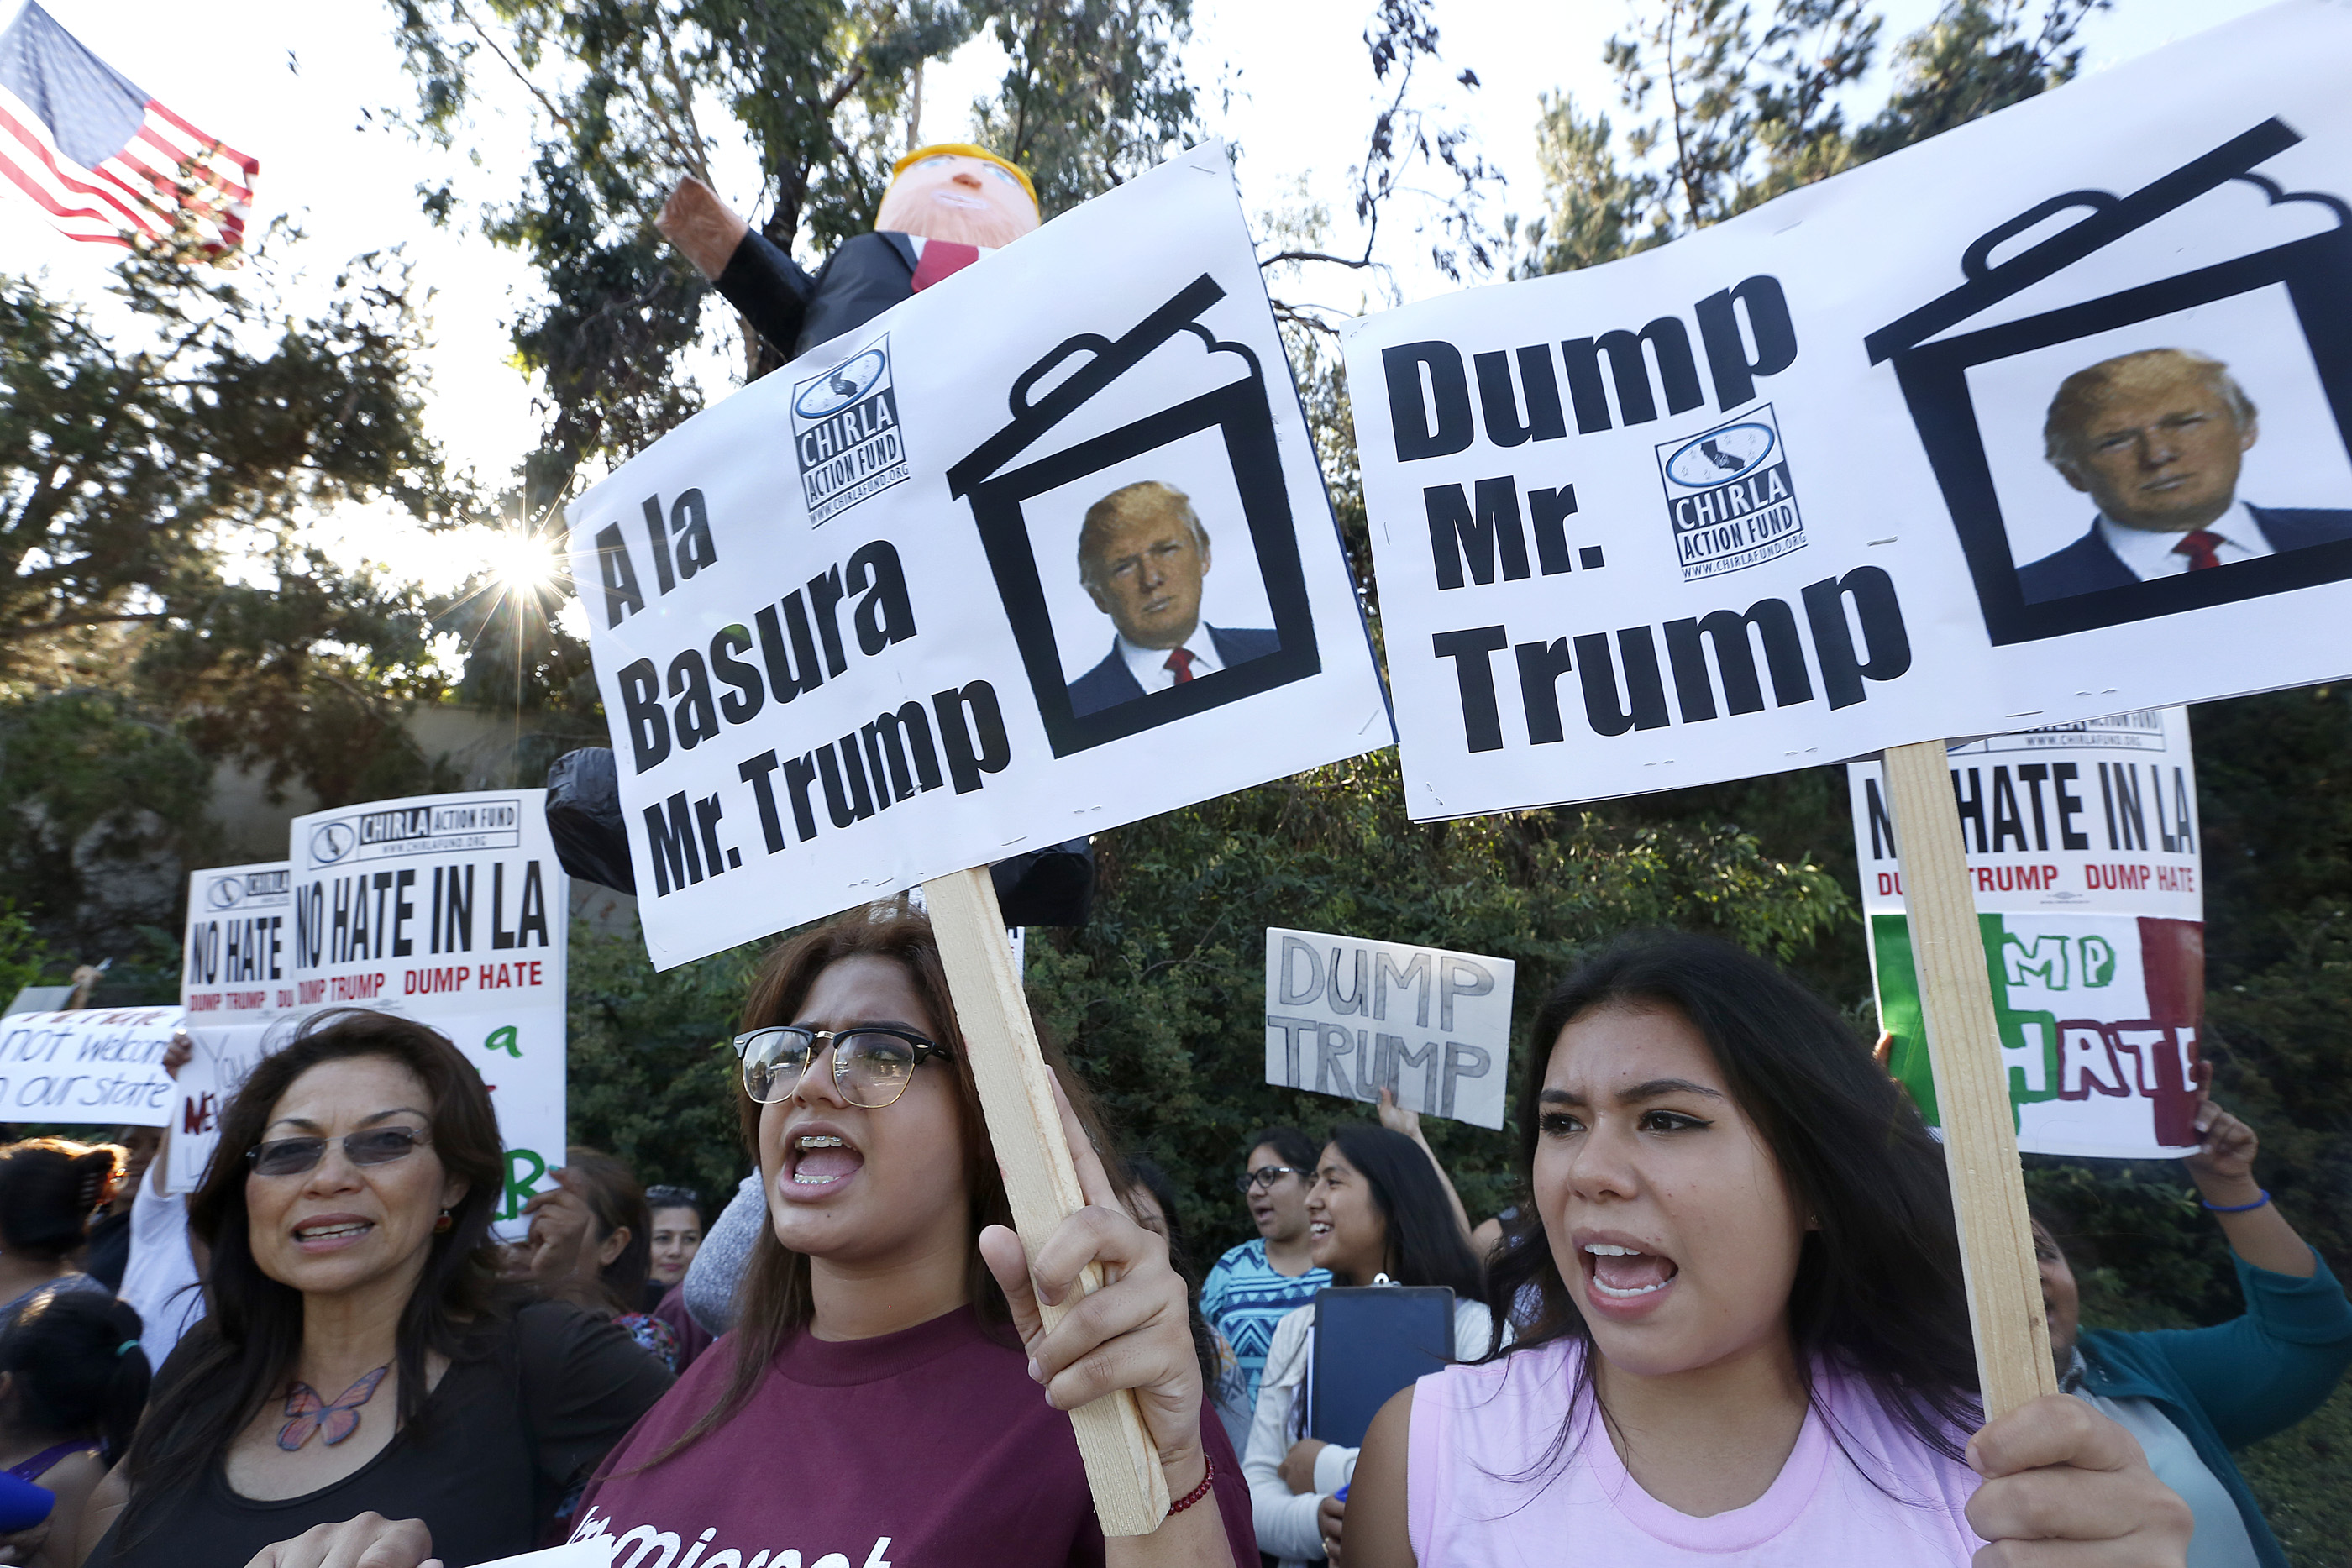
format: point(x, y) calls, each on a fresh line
point(1724, 1317)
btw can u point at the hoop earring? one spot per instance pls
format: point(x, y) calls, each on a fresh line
point(441, 1226)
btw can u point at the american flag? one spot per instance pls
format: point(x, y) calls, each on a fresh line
point(107, 162)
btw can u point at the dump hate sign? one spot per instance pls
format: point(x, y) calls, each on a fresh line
point(2082, 843)
point(1350, 1016)
point(451, 909)
point(1040, 552)
point(1858, 466)
point(237, 981)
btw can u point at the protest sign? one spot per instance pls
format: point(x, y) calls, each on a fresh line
point(236, 979)
point(1857, 467)
point(453, 910)
point(1349, 1015)
point(1040, 552)
point(2081, 849)
point(101, 1065)
point(916, 603)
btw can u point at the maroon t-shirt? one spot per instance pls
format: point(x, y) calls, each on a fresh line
point(927, 1449)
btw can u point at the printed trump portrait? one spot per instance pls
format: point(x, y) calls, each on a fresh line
point(2155, 443)
point(1144, 558)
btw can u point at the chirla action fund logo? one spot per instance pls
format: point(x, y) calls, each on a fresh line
point(1729, 497)
point(846, 433)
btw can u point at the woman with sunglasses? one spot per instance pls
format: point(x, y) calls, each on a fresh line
point(361, 1378)
point(878, 1396)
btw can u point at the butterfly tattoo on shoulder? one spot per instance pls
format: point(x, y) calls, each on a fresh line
point(339, 1418)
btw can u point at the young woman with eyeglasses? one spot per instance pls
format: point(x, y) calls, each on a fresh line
point(360, 1378)
point(1742, 1336)
point(878, 1396)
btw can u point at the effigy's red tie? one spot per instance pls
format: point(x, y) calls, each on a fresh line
point(1180, 661)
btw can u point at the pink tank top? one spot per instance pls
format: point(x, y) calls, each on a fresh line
point(1474, 1428)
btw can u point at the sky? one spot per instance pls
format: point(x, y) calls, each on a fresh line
point(305, 86)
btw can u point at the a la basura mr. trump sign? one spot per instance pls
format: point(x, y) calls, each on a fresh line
point(1108, 583)
point(2043, 419)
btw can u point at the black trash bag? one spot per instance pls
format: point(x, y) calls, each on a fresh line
point(583, 817)
point(1047, 887)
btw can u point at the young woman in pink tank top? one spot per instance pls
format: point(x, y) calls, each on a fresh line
point(1741, 1331)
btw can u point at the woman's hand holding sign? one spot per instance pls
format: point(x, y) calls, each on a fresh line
point(1133, 1333)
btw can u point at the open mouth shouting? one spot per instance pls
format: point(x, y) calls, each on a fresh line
point(817, 1161)
point(325, 1233)
point(1621, 1278)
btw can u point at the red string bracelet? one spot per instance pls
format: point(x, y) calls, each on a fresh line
point(1208, 1477)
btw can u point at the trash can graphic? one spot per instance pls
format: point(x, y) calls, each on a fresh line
point(1933, 363)
point(1217, 391)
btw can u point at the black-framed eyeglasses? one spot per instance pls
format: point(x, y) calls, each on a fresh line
point(871, 1065)
point(298, 1156)
point(1263, 1179)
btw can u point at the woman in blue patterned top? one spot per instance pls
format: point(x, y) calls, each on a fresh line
point(1255, 1285)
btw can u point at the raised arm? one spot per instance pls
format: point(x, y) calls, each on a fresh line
point(2223, 1170)
point(1397, 1119)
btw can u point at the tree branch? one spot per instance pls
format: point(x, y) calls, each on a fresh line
point(562, 119)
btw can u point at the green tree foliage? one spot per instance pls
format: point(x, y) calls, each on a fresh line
point(1725, 110)
point(93, 790)
point(165, 613)
point(1162, 995)
point(130, 470)
point(652, 1078)
point(632, 95)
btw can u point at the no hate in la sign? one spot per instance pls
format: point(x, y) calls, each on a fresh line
point(453, 910)
point(2082, 843)
point(1040, 552)
point(2042, 420)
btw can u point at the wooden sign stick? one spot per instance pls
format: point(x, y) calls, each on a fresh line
point(1016, 1096)
point(1971, 1083)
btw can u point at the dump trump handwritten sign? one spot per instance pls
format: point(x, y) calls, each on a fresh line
point(1350, 1016)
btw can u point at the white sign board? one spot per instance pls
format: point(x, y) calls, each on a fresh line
point(98, 1066)
point(2041, 420)
point(236, 979)
point(1347, 1016)
point(453, 910)
point(2082, 840)
point(1040, 552)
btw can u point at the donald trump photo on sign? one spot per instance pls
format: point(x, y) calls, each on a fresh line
point(1142, 554)
point(2156, 439)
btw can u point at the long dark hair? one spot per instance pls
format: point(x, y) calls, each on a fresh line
point(616, 1200)
point(1145, 1173)
point(240, 1355)
point(1426, 1246)
point(49, 1187)
point(772, 1299)
point(1878, 1293)
point(75, 1368)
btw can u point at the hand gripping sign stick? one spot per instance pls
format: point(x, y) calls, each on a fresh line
point(1041, 1179)
point(2012, 1339)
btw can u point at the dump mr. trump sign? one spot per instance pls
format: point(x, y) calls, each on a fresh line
point(2047, 418)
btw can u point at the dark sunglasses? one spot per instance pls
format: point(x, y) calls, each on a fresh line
point(1263, 1179)
point(296, 1156)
